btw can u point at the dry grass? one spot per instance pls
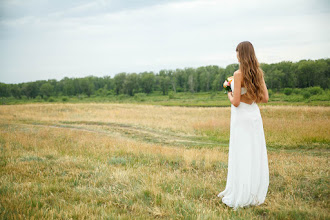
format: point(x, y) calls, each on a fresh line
point(55, 163)
point(285, 126)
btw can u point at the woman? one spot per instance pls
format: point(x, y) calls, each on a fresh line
point(248, 173)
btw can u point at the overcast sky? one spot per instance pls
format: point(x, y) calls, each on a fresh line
point(43, 39)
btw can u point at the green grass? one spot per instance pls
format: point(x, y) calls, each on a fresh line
point(187, 99)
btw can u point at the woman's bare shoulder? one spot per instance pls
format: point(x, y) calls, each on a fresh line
point(237, 72)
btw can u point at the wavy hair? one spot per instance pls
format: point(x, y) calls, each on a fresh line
point(253, 75)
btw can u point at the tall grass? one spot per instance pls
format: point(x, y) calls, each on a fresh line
point(285, 126)
point(86, 161)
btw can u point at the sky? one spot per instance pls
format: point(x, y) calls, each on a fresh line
point(44, 39)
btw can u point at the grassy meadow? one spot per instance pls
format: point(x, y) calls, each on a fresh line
point(313, 96)
point(139, 161)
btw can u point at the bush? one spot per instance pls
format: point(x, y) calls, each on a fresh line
point(110, 93)
point(51, 99)
point(287, 91)
point(306, 94)
point(139, 97)
point(122, 96)
point(296, 91)
point(316, 90)
point(65, 99)
point(270, 92)
point(81, 96)
point(100, 92)
point(171, 95)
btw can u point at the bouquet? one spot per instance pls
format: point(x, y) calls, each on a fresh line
point(227, 84)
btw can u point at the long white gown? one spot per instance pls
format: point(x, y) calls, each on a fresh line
point(248, 172)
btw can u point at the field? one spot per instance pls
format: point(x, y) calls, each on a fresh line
point(133, 161)
point(317, 97)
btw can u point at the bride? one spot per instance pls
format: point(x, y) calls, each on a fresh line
point(248, 173)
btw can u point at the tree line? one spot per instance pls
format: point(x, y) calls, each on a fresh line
point(286, 74)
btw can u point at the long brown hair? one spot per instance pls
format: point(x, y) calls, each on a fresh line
point(253, 75)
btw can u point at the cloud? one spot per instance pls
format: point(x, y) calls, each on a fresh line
point(108, 37)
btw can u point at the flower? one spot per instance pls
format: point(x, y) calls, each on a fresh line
point(227, 83)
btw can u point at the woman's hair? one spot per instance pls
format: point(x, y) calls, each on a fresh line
point(252, 73)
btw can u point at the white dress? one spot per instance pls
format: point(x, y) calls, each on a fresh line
point(248, 173)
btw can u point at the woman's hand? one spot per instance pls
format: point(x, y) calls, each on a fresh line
point(230, 95)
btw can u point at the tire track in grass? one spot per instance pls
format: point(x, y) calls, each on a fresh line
point(128, 131)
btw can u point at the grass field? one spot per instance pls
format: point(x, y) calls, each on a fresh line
point(183, 99)
point(129, 161)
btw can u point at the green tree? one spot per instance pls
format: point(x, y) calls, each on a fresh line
point(164, 84)
point(192, 79)
point(172, 79)
point(131, 84)
point(108, 83)
point(273, 78)
point(46, 89)
point(4, 90)
point(147, 81)
point(217, 83)
point(30, 90)
point(322, 73)
point(68, 86)
point(205, 80)
point(230, 69)
point(87, 86)
point(15, 91)
point(181, 80)
point(119, 82)
point(306, 73)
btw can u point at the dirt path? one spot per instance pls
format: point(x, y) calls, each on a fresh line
point(132, 132)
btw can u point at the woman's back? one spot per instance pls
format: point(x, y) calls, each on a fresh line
point(243, 89)
point(244, 98)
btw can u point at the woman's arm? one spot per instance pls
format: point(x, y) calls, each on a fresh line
point(236, 98)
point(266, 96)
